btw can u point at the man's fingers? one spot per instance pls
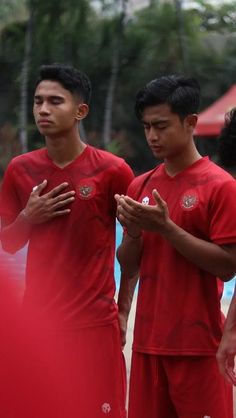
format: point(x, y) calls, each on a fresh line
point(131, 202)
point(226, 366)
point(62, 203)
point(64, 196)
point(230, 375)
point(117, 197)
point(230, 361)
point(129, 206)
point(39, 188)
point(54, 192)
point(60, 212)
point(157, 198)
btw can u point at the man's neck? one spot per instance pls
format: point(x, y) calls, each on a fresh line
point(175, 165)
point(64, 150)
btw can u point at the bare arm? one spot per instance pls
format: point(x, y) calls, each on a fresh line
point(227, 349)
point(206, 255)
point(39, 209)
point(129, 256)
point(125, 298)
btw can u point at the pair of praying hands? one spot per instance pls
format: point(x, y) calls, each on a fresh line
point(135, 216)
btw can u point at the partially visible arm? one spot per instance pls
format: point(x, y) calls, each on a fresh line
point(15, 236)
point(210, 257)
point(125, 298)
point(227, 349)
point(129, 256)
point(130, 250)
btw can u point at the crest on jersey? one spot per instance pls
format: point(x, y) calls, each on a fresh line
point(86, 189)
point(189, 200)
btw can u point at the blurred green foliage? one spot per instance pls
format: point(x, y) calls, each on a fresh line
point(151, 42)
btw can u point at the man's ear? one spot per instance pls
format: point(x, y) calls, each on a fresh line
point(191, 120)
point(82, 111)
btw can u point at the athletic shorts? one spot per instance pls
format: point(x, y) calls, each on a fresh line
point(178, 387)
point(87, 372)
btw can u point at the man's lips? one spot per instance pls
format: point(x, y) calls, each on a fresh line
point(44, 122)
point(156, 148)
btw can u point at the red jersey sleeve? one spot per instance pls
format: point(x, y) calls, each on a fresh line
point(10, 205)
point(122, 179)
point(131, 190)
point(223, 214)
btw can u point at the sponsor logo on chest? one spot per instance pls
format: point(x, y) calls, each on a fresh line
point(145, 200)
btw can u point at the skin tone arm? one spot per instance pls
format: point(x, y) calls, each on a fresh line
point(39, 209)
point(227, 349)
point(208, 256)
point(129, 256)
point(125, 297)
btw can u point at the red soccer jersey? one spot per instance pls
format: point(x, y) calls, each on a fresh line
point(70, 261)
point(178, 309)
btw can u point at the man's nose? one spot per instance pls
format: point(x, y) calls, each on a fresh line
point(44, 108)
point(152, 134)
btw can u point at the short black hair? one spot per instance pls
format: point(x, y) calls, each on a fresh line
point(227, 140)
point(181, 93)
point(77, 82)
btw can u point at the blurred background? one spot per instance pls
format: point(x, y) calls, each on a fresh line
point(120, 44)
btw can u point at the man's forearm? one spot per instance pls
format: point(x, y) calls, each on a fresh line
point(230, 323)
point(15, 235)
point(206, 255)
point(129, 255)
point(126, 293)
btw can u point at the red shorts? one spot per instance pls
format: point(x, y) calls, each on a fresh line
point(178, 387)
point(87, 375)
point(100, 373)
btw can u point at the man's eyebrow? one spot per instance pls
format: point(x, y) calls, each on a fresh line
point(154, 122)
point(39, 96)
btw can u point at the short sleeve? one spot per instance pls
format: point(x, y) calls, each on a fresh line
point(121, 178)
point(10, 205)
point(223, 214)
point(132, 189)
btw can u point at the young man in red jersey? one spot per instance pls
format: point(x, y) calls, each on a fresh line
point(60, 200)
point(227, 349)
point(180, 235)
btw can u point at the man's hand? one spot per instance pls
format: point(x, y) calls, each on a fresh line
point(43, 208)
point(123, 320)
point(226, 354)
point(133, 214)
point(133, 230)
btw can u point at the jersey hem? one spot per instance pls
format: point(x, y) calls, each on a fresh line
point(180, 352)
